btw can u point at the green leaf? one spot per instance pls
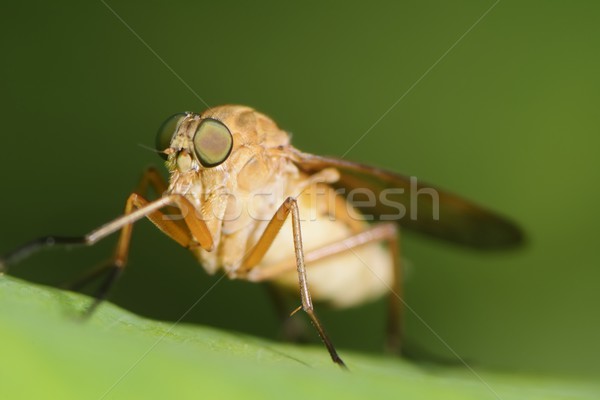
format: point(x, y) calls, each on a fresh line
point(48, 351)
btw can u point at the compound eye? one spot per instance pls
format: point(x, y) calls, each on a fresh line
point(212, 142)
point(167, 131)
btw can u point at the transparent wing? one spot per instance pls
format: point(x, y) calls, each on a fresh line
point(415, 205)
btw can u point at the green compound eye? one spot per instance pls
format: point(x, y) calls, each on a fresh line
point(166, 132)
point(212, 142)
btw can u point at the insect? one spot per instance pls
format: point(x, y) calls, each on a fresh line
point(242, 199)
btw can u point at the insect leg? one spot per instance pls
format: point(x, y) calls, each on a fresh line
point(387, 232)
point(150, 177)
point(123, 222)
point(395, 327)
point(192, 232)
point(117, 263)
point(290, 206)
point(189, 232)
point(292, 329)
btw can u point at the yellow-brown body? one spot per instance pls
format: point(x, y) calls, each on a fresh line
point(238, 198)
point(244, 200)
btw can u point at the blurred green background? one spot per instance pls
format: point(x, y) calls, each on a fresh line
point(509, 118)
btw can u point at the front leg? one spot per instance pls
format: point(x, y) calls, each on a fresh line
point(191, 231)
point(290, 206)
point(386, 232)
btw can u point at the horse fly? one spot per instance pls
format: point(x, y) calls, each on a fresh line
point(241, 198)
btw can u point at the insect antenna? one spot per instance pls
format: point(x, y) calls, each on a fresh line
point(152, 149)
